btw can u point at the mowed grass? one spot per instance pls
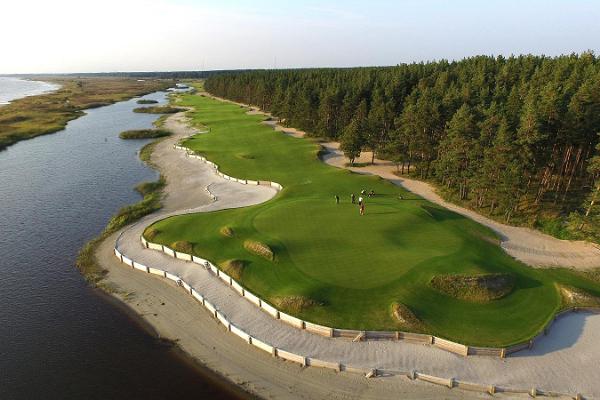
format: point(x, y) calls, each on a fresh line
point(354, 266)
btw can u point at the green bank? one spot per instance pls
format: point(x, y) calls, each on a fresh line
point(334, 267)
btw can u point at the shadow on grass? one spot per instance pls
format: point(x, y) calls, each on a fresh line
point(563, 334)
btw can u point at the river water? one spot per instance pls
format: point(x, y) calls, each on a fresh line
point(59, 338)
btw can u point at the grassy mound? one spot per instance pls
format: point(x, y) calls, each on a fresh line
point(476, 288)
point(157, 110)
point(294, 304)
point(144, 134)
point(233, 268)
point(227, 231)
point(406, 319)
point(146, 101)
point(182, 246)
point(260, 249)
point(151, 233)
point(574, 297)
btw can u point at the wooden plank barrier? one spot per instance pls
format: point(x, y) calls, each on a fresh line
point(346, 333)
point(252, 298)
point(172, 277)
point(237, 287)
point(485, 351)
point(154, 246)
point(295, 322)
point(223, 319)
point(318, 329)
point(168, 251)
point(314, 362)
point(380, 335)
point(416, 338)
point(293, 357)
point(157, 271)
point(475, 387)
point(450, 346)
point(197, 295)
point(225, 278)
point(237, 331)
point(262, 345)
point(183, 256)
point(270, 309)
point(436, 380)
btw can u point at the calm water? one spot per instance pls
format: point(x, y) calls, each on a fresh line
point(58, 338)
point(14, 88)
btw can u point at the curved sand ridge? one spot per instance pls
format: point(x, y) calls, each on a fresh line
point(568, 351)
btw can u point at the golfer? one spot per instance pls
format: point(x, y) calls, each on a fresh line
point(353, 198)
point(360, 201)
point(362, 209)
point(337, 199)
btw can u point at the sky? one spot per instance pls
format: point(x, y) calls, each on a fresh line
point(52, 36)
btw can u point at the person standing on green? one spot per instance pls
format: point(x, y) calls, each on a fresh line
point(337, 199)
point(353, 198)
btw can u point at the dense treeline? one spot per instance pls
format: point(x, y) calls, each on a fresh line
point(514, 138)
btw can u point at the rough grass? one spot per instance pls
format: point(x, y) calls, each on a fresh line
point(233, 268)
point(146, 101)
point(144, 134)
point(227, 231)
point(356, 265)
point(260, 249)
point(86, 260)
point(182, 246)
point(48, 113)
point(406, 319)
point(157, 110)
point(574, 297)
point(151, 233)
point(478, 288)
point(294, 304)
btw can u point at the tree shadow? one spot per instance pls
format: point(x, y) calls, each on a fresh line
point(439, 214)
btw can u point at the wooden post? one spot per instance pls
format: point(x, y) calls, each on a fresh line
point(503, 352)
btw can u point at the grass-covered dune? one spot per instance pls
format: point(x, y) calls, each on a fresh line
point(147, 101)
point(352, 271)
point(157, 110)
point(38, 115)
point(144, 134)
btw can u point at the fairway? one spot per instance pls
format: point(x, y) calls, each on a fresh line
point(353, 267)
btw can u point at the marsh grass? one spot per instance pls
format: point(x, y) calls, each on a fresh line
point(144, 134)
point(48, 113)
point(157, 110)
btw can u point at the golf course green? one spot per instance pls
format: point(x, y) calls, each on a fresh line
point(347, 269)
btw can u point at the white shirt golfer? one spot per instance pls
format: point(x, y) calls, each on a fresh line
point(360, 200)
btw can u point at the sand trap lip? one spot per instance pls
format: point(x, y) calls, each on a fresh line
point(519, 371)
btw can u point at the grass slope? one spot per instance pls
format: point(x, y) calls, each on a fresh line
point(355, 268)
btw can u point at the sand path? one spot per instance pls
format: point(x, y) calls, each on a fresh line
point(564, 361)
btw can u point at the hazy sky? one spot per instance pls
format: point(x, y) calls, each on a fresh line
point(147, 35)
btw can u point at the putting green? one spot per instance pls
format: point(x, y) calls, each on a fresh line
point(354, 266)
